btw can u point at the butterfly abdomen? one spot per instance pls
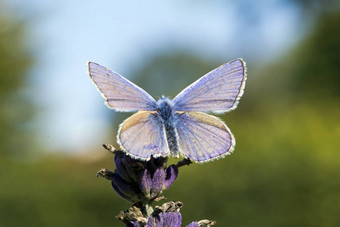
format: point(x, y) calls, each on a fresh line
point(166, 111)
point(171, 138)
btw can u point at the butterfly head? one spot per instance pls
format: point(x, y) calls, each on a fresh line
point(165, 107)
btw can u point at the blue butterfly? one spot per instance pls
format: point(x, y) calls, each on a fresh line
point(179, 126)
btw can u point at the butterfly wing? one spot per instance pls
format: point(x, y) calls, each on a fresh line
point(218, 91)
point(120, 93)
point(202, 137)
point(142, 135)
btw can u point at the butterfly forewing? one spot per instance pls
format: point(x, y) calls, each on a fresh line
point(120, 93)
point(142, 135)
point(217, 91)
point(202, 137)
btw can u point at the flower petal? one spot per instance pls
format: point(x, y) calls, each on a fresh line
point(173, 219)
point(171, 175)
point(157, 182)
point(124, 189)
point(145, 182)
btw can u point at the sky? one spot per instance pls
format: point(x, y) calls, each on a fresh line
point(65, 35)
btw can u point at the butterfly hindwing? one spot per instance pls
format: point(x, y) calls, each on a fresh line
point(120, 93)
point(218, 91)
point(202, 137)
point(142, 135)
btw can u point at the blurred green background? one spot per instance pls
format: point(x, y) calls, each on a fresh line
point(285, 170)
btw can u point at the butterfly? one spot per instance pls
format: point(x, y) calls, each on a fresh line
point(180, 126)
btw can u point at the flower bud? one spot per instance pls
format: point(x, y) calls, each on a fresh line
point(136, 180)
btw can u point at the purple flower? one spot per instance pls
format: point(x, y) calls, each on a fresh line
point(172, 219)
point(141, 181)
point(168, 219)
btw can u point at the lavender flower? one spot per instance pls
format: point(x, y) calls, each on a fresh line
point(167, 215)
point(165, 219)
point(141, 183)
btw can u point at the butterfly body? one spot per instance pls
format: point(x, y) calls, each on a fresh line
point(179, 126)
